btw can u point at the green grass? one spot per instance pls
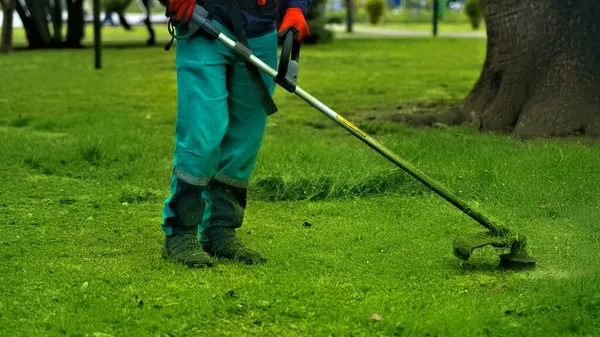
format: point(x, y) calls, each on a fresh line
point(410, 15)
point(85, 158)
point(406, 17)
point(411, 20)
point(109, 34)
point(456, 27)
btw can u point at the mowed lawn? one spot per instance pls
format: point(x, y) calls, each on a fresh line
point(85, 158)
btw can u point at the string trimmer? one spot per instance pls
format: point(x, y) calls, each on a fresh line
point(286, 76)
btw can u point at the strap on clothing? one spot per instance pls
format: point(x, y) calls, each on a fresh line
point(253, 71)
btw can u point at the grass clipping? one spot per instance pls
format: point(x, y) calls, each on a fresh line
point(329, 188)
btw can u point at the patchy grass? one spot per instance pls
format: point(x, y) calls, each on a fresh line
point(85, 157)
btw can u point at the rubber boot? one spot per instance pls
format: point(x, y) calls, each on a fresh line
point(225, 213)
point(184, 213)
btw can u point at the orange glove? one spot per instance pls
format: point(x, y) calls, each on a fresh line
point(295, 18)
point(180, 10)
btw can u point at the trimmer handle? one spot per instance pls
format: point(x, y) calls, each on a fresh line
point(287, 75)
point(201, 19)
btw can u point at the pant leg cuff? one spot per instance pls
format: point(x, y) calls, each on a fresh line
point(190, 179)
point(231, 181)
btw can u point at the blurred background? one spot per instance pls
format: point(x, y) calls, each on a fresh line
point(60, 23)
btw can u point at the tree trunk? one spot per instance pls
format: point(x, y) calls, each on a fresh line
point(8, 8)
point(541, 75)
point(75, 24)
point(57, 22)
point(33, 35)
point(39, 11)
point(349, 16)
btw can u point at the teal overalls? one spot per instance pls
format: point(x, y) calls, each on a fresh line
point(219, 130)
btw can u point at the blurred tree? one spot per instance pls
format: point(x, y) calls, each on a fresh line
point(541, 75)
point(8, 8)
point(375, 10)
point(38, 15)
point(56, 9)
point(317, 20)
point(33, 16)
point(350, 8)
point(43, 23)
point(75, 24)
point(473, 11)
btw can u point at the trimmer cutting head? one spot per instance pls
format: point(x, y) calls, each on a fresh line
point(517, 259)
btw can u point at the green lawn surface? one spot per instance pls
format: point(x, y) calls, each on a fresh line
point(85, 158)
point(410, 19)
point(406, 15)
point(455, 27)
point(109, 34)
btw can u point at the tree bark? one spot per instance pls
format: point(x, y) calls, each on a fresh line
point(75, 24)
point(541, 75)
point(33, 34)
point(349, 16)
point(24, 19)
point(39, 11)
point(35, 14)
point(8, 8)
point(57, 21)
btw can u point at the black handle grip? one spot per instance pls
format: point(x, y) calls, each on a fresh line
point(290, 49)
point(287, 73)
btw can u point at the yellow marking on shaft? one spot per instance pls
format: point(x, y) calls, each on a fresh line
point(350, 125)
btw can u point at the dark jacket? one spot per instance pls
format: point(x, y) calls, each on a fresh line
point(259, 16)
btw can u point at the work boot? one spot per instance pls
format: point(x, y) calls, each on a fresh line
point(185, 249)
point(226, 207)
point(222, 242)
point(184, 211)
